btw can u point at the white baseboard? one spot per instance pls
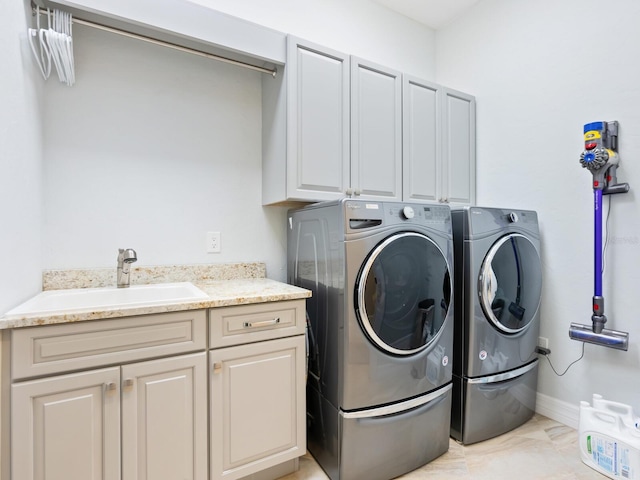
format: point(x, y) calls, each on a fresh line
point(558, 410)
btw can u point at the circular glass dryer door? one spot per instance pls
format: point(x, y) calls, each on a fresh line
point(403, 293)
point(510, 283)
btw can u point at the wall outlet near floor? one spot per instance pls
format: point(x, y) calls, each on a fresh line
point(213, 242)
point(543, 342)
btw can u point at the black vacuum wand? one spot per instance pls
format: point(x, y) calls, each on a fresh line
point(600, 157)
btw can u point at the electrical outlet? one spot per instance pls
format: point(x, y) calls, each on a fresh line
point(213, 242)
point(543, 342)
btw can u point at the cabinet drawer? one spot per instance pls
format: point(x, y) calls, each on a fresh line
point(60, 348)
point(253, 323)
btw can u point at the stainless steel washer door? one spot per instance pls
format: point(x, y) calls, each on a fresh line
point(510, 283)
point(403, 293)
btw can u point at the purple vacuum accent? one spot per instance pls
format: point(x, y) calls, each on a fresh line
point(600, 158)
point(597, 266)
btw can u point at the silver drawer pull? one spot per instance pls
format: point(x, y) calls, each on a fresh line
point(263, 323)
point(109, 387)
point(217, 367)
point(128, 383)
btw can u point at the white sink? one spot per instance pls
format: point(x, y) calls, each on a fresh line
point(54, 302)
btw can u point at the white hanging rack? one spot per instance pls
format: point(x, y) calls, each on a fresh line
point(273, 72)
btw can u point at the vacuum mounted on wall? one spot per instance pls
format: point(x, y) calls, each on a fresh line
point(600, 157)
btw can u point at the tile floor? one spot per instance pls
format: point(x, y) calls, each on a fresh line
point(540, 449)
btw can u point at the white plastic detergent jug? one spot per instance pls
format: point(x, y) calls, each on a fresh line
point(609, 438)
point(629, 418)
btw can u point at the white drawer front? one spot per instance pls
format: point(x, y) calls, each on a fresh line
point(61, 348)
point(253, 323)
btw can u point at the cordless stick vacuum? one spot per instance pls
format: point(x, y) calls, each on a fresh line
point(600, 157)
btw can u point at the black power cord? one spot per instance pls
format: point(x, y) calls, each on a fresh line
point(546, 352)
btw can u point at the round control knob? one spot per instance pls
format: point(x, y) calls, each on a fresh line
point(513, 217)
point(408, 212)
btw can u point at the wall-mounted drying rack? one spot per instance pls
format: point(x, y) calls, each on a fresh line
point(181, 25)
point(218, 58)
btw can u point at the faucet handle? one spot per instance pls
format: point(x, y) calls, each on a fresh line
point(127, 255)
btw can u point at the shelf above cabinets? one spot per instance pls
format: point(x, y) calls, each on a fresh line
point(183, 23)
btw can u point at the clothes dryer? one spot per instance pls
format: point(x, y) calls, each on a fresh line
point(380, 333)
point(497, 289)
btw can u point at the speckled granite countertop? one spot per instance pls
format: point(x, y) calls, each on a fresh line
point(234, 286)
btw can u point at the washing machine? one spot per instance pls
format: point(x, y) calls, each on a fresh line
point(497, 288)
point(380, 330)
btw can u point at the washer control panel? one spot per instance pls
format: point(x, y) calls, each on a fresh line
point(423, 214)
point(362, 214)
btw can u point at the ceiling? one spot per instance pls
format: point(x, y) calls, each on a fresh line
point(433, 13)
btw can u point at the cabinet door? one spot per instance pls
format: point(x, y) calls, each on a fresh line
point(317, 122)
point(164, 419)
point(376, 131)
point(257, 406)
point(421, 140)
point(459, 147)
point(67, 427)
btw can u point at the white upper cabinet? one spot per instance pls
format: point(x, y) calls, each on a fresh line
point(318, 125)
point(421, 141)
point(318, 133)
point(376, 131)
point(336, 125)
point(332, 127)
point(459, 147)
point(438, 143)
point(306, 126)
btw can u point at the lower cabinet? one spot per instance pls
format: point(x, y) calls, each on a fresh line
point(257, 421)
point(257, 389)
point(149, 398)
point(164, 419)
point(67, 427)
point(75, 426)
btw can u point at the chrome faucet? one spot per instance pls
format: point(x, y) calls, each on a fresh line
point(126, 256)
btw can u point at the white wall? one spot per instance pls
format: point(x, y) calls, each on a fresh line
point(20, 162)
point(357, 27)
point(152, 148)
point(540, 69)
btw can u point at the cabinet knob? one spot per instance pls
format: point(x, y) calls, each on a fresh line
point(127, 383)
point(357, 191)
point(111, 386)
point(217, 367)
point(349, 191)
